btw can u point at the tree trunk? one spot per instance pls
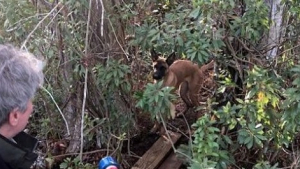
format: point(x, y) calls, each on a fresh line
point(72, 94)
point(73, 116)
point(276, 31)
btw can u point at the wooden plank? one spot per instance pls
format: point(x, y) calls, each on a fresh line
point(172, 162)
point(156, 154)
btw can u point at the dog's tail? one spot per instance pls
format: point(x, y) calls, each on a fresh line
point(208, 66)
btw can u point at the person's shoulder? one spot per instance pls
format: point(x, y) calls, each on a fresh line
point(3, 165)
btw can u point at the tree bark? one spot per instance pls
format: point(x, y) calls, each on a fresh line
point(275, 32)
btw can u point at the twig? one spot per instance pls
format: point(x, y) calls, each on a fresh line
point(54, 16)
point(35, 28)
point(117, 39)
point(85, 153)
point(233, 53)
point(14, 26)
point(85, 81)
point(165, 127)
point(190, 132)
point(102, 18)
point(57, 109)
point(169, 137)
point(244, 45)
point(178, 130)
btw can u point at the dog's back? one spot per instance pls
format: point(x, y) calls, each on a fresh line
point(183, 74)
point(183, 70)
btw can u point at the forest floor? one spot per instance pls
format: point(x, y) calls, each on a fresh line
point(182, 124)
point(141, 143)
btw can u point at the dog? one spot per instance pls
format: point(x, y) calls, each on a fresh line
point(180, 74)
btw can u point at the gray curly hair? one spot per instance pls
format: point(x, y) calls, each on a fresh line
point(20, 76)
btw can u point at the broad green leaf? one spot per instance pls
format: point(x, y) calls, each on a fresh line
point(195, 13)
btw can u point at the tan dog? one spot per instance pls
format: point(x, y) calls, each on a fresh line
point(180, 74)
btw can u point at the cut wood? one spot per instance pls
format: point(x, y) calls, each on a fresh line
point(172, 162)
point(157, 153)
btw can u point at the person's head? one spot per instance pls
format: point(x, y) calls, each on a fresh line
point(20, 76)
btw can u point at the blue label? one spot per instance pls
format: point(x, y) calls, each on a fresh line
point(107, 161)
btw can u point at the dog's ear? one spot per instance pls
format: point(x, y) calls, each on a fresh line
point(154, 55)
point(171, 58)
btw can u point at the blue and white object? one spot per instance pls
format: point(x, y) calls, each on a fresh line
point(108, 162)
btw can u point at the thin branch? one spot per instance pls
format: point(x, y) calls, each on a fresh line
point(169, 137)
point(244, 45)
point(125, 53)
point(85, 153)
point(85, 80)
point(14, 26)
point(190, 132)
point(66, 123)
point(102, 18)
point(233, 53)
point(55, 16)
point(35, 28)
point(167, 133)
point(45, 3)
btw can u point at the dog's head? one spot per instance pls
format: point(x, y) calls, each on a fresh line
point(160, 64)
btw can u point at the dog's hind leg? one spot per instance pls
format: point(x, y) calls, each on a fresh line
point(184, 93)
point(194, 93)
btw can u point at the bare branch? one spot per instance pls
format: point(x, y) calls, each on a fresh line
point(85, 79)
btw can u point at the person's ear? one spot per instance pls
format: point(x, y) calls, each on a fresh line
point(13, 117)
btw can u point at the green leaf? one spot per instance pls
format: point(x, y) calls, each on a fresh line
point(179, 40)
point(250, 94)
point(193, 55)
point(227, 139)
point(195, 13)
point(250, 143)
point(261, 137)
point(243, 132)
point(258, 142)
point(248, 139)
point(63, 165)
point(204, 53)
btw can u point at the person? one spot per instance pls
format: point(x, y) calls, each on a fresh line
point(20, 77)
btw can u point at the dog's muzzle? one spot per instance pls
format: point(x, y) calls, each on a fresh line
point(156, 76)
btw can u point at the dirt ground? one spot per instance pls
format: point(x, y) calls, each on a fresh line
point(141, 143)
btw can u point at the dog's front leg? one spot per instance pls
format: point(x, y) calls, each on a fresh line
point(156, 126)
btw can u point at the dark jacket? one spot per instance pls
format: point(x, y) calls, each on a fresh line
point(18, 154)
point(3, 165)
